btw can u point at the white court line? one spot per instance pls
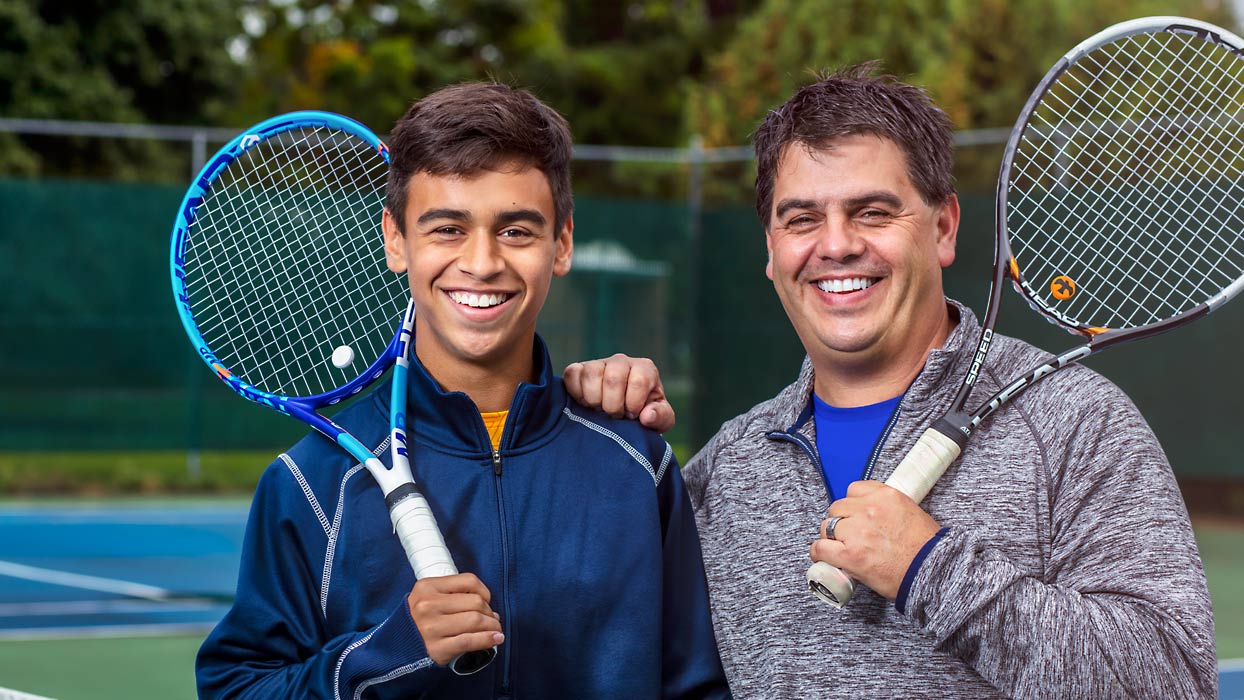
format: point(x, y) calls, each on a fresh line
point(93, 583)
point(104, 607)
point(10, 694)
point(1231, 665)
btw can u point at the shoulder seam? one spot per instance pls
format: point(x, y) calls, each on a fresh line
point(634, 453)
point(335, 531)
point(306, 491)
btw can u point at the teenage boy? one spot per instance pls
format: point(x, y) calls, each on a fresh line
point(576, 528)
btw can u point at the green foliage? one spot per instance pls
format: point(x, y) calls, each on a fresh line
point(117, 473)
point(979, 59)
point(151, 61)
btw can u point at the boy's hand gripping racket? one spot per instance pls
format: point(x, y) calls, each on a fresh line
point(279, 276)
point(1120, 212)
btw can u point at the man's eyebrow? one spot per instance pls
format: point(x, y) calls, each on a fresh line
point(788, 204)
point(514, 216)
point(434, 214)
point(876, 197)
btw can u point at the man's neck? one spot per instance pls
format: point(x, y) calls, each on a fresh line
point(848, 381)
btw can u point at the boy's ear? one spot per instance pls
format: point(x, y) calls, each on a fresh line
point(565, 248)
point(394, 242)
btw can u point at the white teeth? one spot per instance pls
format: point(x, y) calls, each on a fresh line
point(853, 284)
point(479, 301)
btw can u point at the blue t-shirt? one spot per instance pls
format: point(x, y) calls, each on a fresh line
point(845, 438)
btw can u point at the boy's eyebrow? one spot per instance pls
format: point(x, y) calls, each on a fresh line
point(434, 214)
point(514, 216)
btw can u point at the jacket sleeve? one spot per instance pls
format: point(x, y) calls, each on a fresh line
point(1122, 608)
point(275, 643)
point(690, 665)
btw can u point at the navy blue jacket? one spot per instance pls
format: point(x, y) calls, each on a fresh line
point(579, 526)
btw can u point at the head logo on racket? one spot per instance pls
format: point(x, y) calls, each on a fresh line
point(1063, 287)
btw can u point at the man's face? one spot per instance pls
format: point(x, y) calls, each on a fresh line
point(480, 253)
point(855, 254)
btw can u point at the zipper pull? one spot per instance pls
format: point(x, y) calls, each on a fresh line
point(496, 462)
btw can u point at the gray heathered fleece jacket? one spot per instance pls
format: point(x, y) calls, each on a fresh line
point(1069, 571)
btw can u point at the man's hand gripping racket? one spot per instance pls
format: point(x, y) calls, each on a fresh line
point(279, 278)
point(1120, 212)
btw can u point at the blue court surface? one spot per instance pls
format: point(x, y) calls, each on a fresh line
point(117, 569)
point(135, 568)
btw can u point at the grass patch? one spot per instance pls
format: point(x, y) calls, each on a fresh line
point(120, 473)
point(135, 668)
point(1221, 545)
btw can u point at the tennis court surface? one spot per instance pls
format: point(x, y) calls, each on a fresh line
point(124, 591)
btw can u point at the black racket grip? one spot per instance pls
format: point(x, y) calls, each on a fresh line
point(472, 661)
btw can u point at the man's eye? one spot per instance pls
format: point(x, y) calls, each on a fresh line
point(515, 233)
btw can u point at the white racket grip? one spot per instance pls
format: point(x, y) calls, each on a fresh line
point(421, 538)
point(924, 465)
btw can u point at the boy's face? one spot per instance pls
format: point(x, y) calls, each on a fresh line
point(479, 252)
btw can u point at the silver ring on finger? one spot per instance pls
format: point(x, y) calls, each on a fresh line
point(829, 526)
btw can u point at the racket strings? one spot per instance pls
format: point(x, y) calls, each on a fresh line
point(1126, 182)
point(1142, 148)
point(285, 262)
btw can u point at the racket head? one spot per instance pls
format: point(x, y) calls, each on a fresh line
point(277, 261)
point(1119, 196)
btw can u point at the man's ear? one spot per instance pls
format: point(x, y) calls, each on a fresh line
point(565, 248)
point(947, 231)
point(394, 242)
point(769, 251)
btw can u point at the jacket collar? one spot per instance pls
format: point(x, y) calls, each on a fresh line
point(451, 420)
point(939, 369)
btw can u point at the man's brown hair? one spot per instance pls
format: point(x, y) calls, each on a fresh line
point(853, 101)
point(469, 128)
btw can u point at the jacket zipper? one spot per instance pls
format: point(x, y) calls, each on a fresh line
point(505, 576)
point(885, 435)
point(802, 442)
point(789, 435)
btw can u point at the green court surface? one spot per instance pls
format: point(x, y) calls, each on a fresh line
point(162, 668)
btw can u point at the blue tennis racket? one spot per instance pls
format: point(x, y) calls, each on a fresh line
point(280, 280)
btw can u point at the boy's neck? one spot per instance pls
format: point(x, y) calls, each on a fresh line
point(491, 384)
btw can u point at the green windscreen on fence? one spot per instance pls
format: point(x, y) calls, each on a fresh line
point(94, 357)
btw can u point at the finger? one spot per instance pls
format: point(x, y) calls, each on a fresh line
point(863, 487)
point(590, 376)
point(828, 551)
point(572, 378)
point(643, 386)
point(658, 416)
point(449, 649)
point(467, 583)
point(440, 606)
point(613, 386)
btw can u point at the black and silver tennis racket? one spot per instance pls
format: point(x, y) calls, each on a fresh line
point(1120, 212)
point(280, 280)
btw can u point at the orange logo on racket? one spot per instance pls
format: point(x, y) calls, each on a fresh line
point(1063, 287)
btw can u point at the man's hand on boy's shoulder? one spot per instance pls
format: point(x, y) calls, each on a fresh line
point(453, 616)
point(623, 387)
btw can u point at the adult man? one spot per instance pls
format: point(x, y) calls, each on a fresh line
point(478, 216)
point(1055, 559)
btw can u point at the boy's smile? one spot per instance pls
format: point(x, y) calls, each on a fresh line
point(480, 252)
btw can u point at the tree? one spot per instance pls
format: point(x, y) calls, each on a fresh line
point(979, 59)
point(144, 61)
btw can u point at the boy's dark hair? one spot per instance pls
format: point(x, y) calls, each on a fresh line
point(468, 128)
point(852, 101)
